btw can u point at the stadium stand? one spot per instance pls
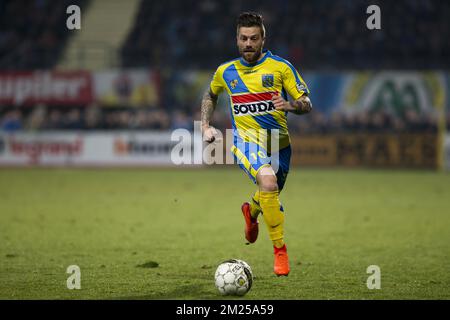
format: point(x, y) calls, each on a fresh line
point(31, 36)
point(197, 34)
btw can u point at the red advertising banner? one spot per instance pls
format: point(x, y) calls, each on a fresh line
point(60, 87)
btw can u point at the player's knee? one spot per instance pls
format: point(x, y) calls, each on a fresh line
point(269, 184)
point(267, 180)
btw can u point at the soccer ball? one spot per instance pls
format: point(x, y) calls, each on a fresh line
point(233, 277)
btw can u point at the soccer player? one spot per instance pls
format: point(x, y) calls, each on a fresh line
point(258, 83)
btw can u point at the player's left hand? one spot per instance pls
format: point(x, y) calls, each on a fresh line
point(280, 103)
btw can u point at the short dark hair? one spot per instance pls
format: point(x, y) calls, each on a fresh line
point(251, 19)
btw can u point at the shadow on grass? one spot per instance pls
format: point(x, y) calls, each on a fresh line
point(193, 291)
point(185, 292)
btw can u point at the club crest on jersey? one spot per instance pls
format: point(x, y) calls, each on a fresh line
point(267, 80)
point(234, 83)
point(301, 87)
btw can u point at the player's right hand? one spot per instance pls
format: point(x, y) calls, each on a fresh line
point(209, 134)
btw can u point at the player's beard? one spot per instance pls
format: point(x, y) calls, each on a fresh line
point(252, 55)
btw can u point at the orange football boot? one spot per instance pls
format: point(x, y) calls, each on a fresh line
point(251, 224)
point(281, 261)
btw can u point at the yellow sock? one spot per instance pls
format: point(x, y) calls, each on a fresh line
point(278, 243)
point(255, 208)
point(270, 204)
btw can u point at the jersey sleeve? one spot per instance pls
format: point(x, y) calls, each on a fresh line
point(293, 82)
point(216, 85)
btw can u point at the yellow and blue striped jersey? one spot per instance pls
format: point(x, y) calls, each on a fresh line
point(251, 87)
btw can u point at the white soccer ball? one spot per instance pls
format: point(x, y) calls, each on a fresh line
point(233, 277)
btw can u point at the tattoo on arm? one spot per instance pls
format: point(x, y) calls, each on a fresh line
point(302, 105)
point(209, 103)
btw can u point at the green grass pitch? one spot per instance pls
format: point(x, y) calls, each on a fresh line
point(160, 234)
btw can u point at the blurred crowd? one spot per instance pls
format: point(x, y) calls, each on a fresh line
point(91, 117)
point(33, 32)
point(364, 122)
point(94, 117)
point(312, 34)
